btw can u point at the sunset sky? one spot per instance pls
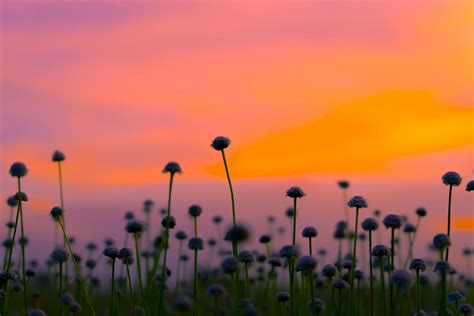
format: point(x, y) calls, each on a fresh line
point(376, 92)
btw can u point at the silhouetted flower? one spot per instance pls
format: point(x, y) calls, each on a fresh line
point(134, 226)
point(67, 298)
point(111, 252)
point(343, 184)
point(465, 309)
point(380, 251)
point(441, 241)
point(169, 222)
point(452, 178)
point(58, 156)
point(18, 169)
point(306, 264)
point(237, 234)
point(125, 253)
point(369, 224)
point(274, 262)
point(455, 297)
point(148, 205)
point(196, 243)
point(409, 228)
point(216, 290)
point(329, 271)
point(56, 213)
point(288, 251)
point(441, 266)
point(359, 274)
point(401, 278)
point(21, 196)
point(229, 265)
point(264, 239)
point(220, 143)
point(183, 303)
point(295, 192)
point(392, 221)
point(421, 211)
point(282, 297)
point(172, 167)
point(470, 186)
point(309, 232)
point(12, 201)
point(59, 255)
point(246, 256)
point(129, 215)
point(75, 307)
point(357, 202)
point(36, 312)
point(217, 219)
point(340, 284)
point(181, 235)
point(417, 264)
point(194, 210)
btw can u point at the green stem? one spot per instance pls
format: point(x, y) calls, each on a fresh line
point(196, 298)
point(354, 253)
point(23, 261)
point(449, 219)
point(382, 287)
point(310, 247)
point(178, 268)
point(442, 304)
point(371, 276)
point(411, 243)
point(292, 285)
point(139, 271)
point(61, 198)
point(311, 292)
point(392, 268)
point(60, 287)
point(418, 301)
point(247, 287)
point(76, 268)
point(112, 289)
point(131, 288)
point(294, 221)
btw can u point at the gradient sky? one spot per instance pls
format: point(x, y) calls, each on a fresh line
point(376, 92)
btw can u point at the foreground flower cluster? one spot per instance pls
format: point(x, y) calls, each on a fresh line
point(365, 278)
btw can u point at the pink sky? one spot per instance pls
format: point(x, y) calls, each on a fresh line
point(379, 93)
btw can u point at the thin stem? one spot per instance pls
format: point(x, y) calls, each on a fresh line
point(60, 287)
point(235, 250)
point(354, 252)
point(294, 221)
point(195, 226)
point(371, 276)
point(247, 288)
point(292, 285)
point(310, 247)
point(22, 244)
point(311, 292)
point(412, 242)
point(178, 267)
point(76, 268)
point(442, 302)
point(195, 293)
point(382, 287)
point(216, 306)
point(139, 270)
point(449, 218)
point(61, 199)
point(112, 290)
point(131, 287)
point(418, 301)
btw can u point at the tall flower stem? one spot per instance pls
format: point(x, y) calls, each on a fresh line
point(61, 199)
point(310, 246)
point(139, 270)
point(411, 243)
point(354, 251)
point(60, 287)
point(112, 289)
point(294, 221)
point(178, 268)
point(311, 292)
point(195, 282)
point(130, 287)
point(292, 284)
point(418, 296)
point(235, 251)
point(76, 268)
point(442, 301)
point(22, 244)
point(164, 245)
point(247, 287)
point(392, 268)
point(371, 276)
point(382, 288)
point(449, 219)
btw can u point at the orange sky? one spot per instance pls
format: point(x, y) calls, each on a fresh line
point(380, 93)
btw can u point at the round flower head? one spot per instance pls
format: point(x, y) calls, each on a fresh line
point(21, 196)
point(75, 307)
point(421, 212)
point(465, 309)
point(369, 224)
point(401, 278)
point(409, 228)
point(216, 290)
point(455, 297)
point(211, 242)
point(129, 215)
point(343, 184)
point(329, 271)
point(168, 222)
point(341, 225)
point(271, 219)
point(340, 284)
point(470, 186)
point(59, 255)
point(220, 143)
point(58, 156)
point(56, 213)
point(194, 210)
point(274, 262)
point(289, 212)
point(377, 212)
point(265, 239)
point(196, 243)
point(183, 303)
point(237, 234)
point(441, 241)
point(229, 265)
point(340, 233)
point(163, 211)
point(172, 167)
point(347, 264)
point(392, 221)
point(295, 192)
point(134, 226)
point(36, 312)
point(148, 205)
point(217, 219)
point(11, 201)
point(466, 251)
point(357, 202)
point(359, 274)
point(125, 253)
point(317, 305)
point(417, 264)
point(181, 235)
point(452, 178)
point(91, 264)
point(91, 246)
point(306, 264)
point(282, 297)
point(309, 232)
point(380, 251)
point(288, 251)
point(109, 242)
point(10, 224)
point(442, 266)
point(67, 298)
point(246, 256)
point(18, 169)
point(111, 252)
